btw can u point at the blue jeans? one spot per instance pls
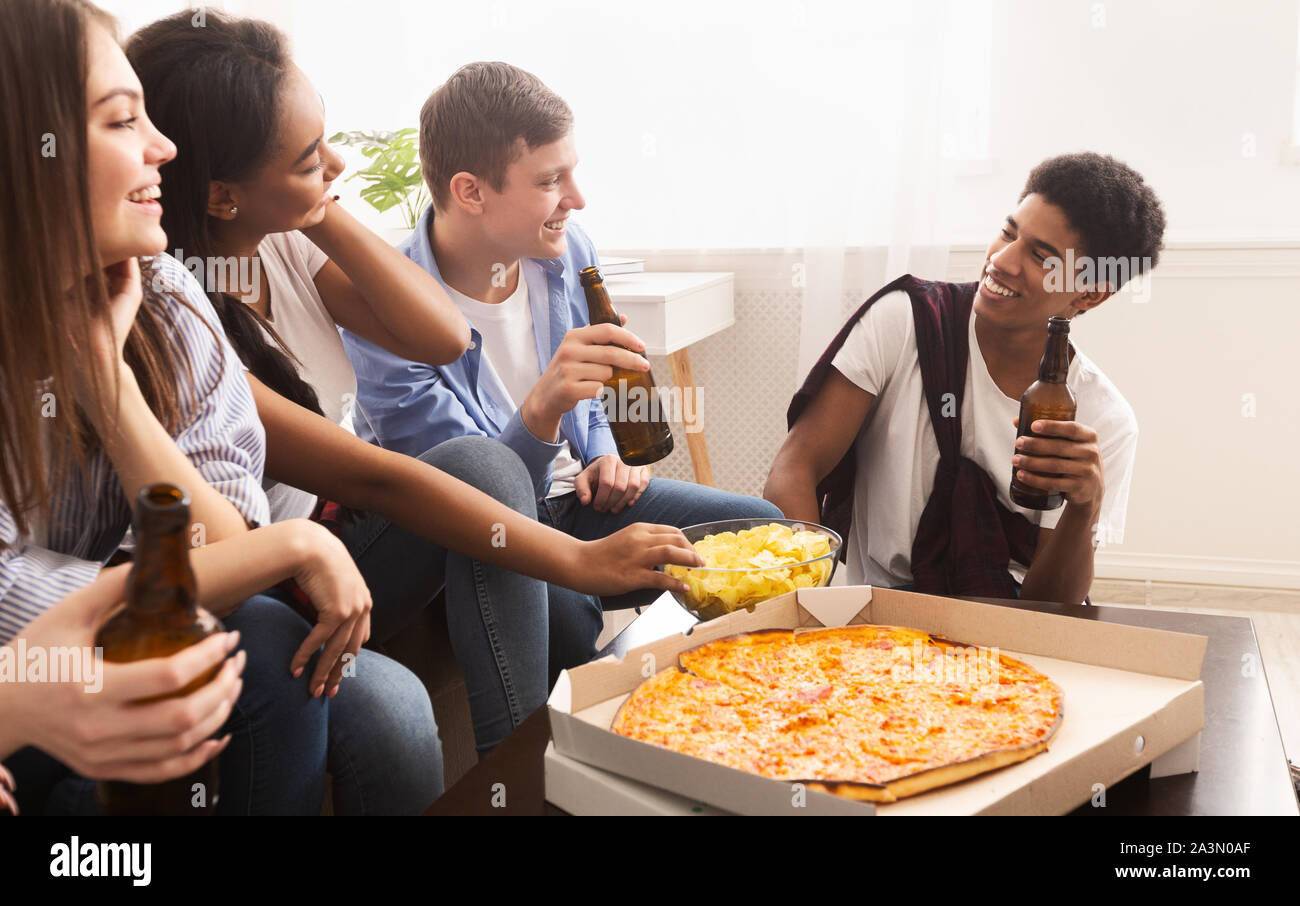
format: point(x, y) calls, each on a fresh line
point(496, 619)
point(377, 736)
point(577, 619)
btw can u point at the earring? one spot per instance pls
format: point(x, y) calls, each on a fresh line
point(234, 208)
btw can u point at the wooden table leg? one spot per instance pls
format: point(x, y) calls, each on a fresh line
point(680, 362)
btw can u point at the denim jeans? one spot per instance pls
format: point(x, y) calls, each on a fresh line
point(376, 736)
point(496, 619)
point(577, 619)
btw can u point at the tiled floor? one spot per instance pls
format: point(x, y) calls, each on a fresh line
point(1276, 615)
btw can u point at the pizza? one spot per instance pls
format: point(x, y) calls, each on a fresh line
point(873, 713)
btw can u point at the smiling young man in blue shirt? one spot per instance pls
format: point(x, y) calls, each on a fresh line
point(497, 151)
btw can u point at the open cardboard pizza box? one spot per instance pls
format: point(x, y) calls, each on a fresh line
point(1132, 697)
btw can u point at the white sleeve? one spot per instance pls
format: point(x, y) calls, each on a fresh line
point(1117, 455)
point(870, 355)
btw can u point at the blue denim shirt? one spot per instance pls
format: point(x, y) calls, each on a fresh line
point(410, 406)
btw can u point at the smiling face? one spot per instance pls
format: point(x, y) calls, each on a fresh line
point(527, 218)
point(290, 191)
point(1014, 286)
point(124, 153)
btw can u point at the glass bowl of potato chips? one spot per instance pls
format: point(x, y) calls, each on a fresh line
point(751, 560)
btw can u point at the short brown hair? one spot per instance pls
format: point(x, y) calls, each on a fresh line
point(473, 122)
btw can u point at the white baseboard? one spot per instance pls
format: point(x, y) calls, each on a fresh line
point(1201, 570)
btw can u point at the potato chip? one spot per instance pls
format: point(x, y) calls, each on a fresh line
point(765, 559)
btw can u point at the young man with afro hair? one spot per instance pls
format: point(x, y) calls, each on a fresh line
point(904, 434)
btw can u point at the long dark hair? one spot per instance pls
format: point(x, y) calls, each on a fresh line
point(215, 91)
point(53, 285)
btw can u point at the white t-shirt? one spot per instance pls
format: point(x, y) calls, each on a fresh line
point(509, 365)
point(897, 454)
point(291, 262)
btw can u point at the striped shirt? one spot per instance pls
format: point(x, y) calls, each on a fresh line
point(90, 515)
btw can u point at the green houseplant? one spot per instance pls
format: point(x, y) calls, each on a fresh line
point(393, 178)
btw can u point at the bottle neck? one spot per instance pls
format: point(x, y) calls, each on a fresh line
point(1055, 365)
point(161, 578)
point(600, 309)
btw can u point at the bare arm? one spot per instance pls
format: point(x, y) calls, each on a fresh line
point(818, 440)
point(232, 570)
point(450, 512)
point(1063, 559)
point(373, 290)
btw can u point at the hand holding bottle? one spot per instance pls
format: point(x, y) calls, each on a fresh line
point(1060, 458)
point(107, 734)
point(585, 359)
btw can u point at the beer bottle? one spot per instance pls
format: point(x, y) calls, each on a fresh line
point(631, 403)
point(1047, 398)
point(160, 619)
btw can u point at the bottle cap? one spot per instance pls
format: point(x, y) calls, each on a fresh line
point(163, 506)
point(162, 496)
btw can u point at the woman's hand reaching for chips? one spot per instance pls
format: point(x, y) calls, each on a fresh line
point(626, 560)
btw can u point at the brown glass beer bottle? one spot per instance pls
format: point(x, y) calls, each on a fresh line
point(160, 619)
point(1047, 398)
point(631, 403)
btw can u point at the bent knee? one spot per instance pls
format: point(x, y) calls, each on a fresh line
point(267, 627)
point(488, 465)
point(393, 697)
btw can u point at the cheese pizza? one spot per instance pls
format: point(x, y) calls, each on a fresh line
point(869, 712)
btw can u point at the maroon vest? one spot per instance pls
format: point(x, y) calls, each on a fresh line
point(966, 537)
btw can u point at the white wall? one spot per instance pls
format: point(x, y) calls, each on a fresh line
point(1174, 87)
point(736, 125)
point(1210, 366)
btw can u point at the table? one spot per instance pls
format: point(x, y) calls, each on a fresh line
point(1243, 767)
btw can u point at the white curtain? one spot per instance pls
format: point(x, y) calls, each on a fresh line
point(932, 123)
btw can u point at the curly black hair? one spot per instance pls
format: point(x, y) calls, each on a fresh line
point(1116, 214)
